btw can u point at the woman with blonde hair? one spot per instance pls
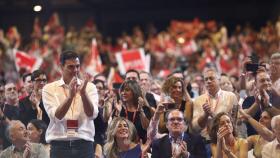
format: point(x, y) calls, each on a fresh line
point(122, 142)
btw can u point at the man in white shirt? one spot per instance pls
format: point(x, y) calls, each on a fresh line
point(272, 149)
point(71, 104)
point(209, 104)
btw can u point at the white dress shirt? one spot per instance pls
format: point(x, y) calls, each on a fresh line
point(224, 101)
point(271, 149)
point(53, 95)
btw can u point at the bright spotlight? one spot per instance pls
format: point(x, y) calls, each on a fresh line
point(37, 8)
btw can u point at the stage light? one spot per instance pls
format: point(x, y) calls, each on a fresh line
point(181, 40)
point(37, 8)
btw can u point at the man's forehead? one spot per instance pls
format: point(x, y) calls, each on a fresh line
point(72, 61)
point(28, 78)
point(175, 113)
point(144, 75)
point(9, 85)
point(42, 76)
point(261, 75)
point(131, 74)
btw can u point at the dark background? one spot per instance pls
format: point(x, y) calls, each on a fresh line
point(115, 16)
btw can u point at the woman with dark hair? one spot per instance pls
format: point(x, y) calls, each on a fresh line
point(131, 106)
point(225, 144)
point(36, 132)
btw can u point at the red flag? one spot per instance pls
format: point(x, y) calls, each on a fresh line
point(25, 61)
point(113, 77)
point(94, 65)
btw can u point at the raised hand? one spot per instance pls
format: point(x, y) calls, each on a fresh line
point(266, 98)
point(224, 146)
point(34, 100)
point(27, 150)
point(145, 147)
point(222, 132)
point(182, 150)
point(117, 105)
point(141, 103)
point(73, 86)
point(207, 109)
point(87, 78)
point(243, 114)
point(257, 96)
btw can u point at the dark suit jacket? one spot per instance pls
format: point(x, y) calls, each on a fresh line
point(161, 148)
point(27, 113)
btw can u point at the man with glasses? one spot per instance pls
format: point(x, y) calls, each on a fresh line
point(31, 107)
point(178, 143)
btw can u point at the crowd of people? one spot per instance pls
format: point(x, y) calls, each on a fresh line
point(222, 102)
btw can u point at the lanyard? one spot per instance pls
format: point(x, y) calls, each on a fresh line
point(74, 101)
point(213, 107)
point(134, 115)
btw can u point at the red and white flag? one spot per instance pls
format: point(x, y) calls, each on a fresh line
point(113, 77)
point(26, 61)
point(94, 65)
point(132, 59)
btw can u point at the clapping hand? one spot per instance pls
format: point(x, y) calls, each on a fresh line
point(182, 151)
point(27, 150)
point(207, 109)
point(145, 147)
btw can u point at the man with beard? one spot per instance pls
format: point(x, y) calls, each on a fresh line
point(21, 148)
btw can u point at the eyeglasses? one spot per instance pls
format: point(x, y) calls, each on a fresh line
point(179, 119)
point(40, 80)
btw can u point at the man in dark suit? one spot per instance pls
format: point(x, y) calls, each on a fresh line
point(178, 143)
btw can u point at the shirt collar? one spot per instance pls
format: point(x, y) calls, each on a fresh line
point(61, 82)
point(179, 138)
point(217, 94)
point(14, 149)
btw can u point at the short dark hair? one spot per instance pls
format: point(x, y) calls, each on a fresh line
point(66, 55)
point(25, 76)
point(2, 82)
point(36, 74)
point(133, 70)
point(40, 125)
point(98, 81)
